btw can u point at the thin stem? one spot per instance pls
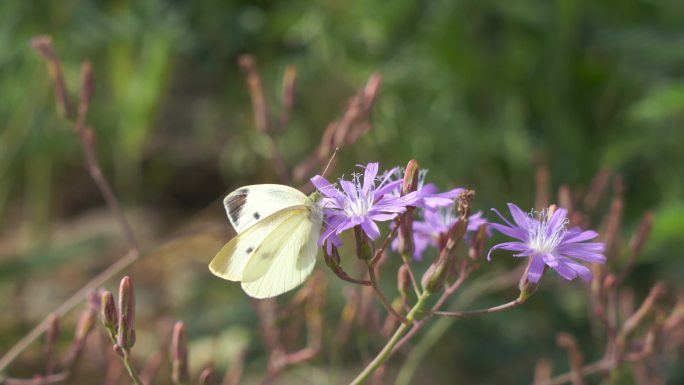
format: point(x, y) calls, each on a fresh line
point(376, 287)
point(419, 324)
point(129, 367)
point(278, 160)
point(596, 367)
point(416, 288)
point(386, 351)
point(107, 192)
point(42, 380)
point(390, 236)
point(471, 313)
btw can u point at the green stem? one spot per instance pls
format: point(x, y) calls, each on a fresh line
point(129, 367)
point(386, 352)
point(471, 313)
point(424, 346)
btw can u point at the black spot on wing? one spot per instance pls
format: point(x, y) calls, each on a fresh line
point(257, 215)
point(250, 249)
point(236, 203)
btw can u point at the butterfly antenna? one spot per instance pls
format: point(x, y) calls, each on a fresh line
point(330, 161)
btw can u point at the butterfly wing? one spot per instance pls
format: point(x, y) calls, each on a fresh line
point(286, 257)
point(229, 263)
point(249, 205)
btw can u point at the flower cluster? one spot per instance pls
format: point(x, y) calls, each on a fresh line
point(368, 198)
point(362, 202)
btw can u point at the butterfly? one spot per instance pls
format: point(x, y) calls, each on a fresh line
point(276, 244)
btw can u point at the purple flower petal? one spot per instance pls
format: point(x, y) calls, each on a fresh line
point(536, 269)
point(576, 235)
point(505, 247)
point(556, 222)
point(581, 270)
point(369, 177)
point(371, 229)
point(559, 265)
point(513, 232)
point(326, 188)
point(520, 217)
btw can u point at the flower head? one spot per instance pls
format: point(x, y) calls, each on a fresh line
point(432, 230)
point(360, 203)
point(548, 242)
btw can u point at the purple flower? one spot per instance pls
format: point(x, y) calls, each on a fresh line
point(431, 199)
point(546, 240)
point(360, 203)
point(432, 230)
point(429, 195)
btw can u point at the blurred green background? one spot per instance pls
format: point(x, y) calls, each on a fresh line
point(474, 90)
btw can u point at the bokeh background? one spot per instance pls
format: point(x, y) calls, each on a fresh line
point(479, 92)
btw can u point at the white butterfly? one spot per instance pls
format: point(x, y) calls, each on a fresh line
point(276, 244)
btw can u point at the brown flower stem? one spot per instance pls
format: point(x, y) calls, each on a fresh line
point(66, 306)
point(41, 380)
point(596, 367)
point(278, 161)
point(234, 373)
point(569, 343)
point(378, 291)
point(87, 140)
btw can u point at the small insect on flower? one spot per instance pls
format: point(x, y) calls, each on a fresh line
point(546, 239)
point(362, 202)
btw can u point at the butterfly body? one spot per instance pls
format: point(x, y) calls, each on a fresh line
point(276, 244)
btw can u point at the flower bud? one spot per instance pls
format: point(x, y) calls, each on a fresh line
point(87, 82)
point(126, 335)
point(118, 350)
point(436, 274)
point(410, 177)
point(206, 377)
point(477, 248)
point(333, 261)
point(404, 283)
point(85, 324)
point(179, 355)
point(642, 234)
point(52, 332)
point(108, 311)
point(434, 277)
point(406, 245)
point(527, 287)
point(289, 87)
point(364, 245)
